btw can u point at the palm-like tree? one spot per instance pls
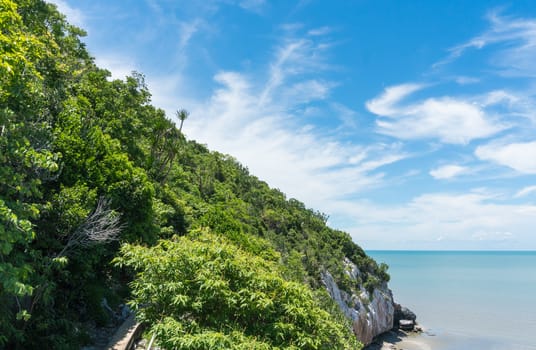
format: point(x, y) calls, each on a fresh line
point(182, 114)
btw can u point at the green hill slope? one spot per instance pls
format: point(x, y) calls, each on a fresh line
point(101, 196)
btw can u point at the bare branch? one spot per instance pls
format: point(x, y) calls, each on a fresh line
point(100, 227)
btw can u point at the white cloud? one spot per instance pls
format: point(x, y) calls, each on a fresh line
point(514, 59)
point(451, 120)
point(385, 104)
point(373, 164)
point(500, 97)
point(448, 171)
point(74, 16)
point(474, 220)
point(525, 191)
point(518, 156)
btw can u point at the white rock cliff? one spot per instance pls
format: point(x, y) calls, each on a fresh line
point(371, 314)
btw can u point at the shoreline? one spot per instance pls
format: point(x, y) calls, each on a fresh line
point(402, 340)
point(429, 340)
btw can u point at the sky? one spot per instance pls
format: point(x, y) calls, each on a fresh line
point(412, 124)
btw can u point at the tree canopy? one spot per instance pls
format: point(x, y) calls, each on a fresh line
point(206, 293)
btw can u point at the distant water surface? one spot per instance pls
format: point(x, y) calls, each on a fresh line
point(468, 299)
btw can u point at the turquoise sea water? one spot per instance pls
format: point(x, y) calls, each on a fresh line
point(471, 300)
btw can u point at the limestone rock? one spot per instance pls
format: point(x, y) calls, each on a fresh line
point(371, 314)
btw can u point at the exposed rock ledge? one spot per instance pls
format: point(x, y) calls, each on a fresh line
point(371, 314)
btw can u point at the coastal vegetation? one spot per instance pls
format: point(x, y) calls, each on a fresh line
point(102, 197)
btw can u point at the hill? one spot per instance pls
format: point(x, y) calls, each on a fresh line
point(103, 200)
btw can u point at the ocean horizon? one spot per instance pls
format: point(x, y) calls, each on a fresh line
point(467, 299)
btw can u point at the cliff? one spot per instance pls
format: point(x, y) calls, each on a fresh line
point(371, 313)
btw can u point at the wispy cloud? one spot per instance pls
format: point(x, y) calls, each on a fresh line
point(448, 171)
point(496, 97)
point(518, 156)
point(386, 103)
point(514, 59)
point(525, 191)
point(296, 56)
point(449, 119)
point(258, 122)
point(187, 31)
point(347, 117)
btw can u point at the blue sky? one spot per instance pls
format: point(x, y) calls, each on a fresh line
point(411, 123)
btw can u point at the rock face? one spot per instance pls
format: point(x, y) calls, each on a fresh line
point(371, 314)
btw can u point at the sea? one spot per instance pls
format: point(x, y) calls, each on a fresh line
point(467, 299)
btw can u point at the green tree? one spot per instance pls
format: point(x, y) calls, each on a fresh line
point(182, 114)
point(206, 293)
point(26, 161)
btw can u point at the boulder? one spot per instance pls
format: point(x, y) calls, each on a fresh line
point(403, 313)
point(406, 325)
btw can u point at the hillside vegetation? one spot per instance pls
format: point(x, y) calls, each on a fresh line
point(102, 196)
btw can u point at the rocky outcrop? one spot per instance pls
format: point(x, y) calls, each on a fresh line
point(404, 318)
point(403, 313)
point(371, 314)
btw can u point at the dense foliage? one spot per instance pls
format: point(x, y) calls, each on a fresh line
point(88, 165)
point(206, 293)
